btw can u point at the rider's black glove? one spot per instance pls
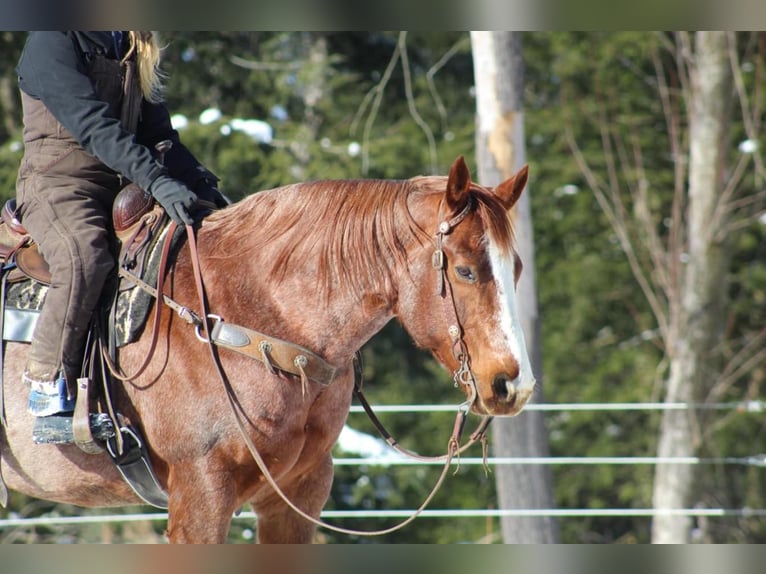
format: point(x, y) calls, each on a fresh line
point(175, 197)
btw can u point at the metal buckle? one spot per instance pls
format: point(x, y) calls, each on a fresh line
point(198, 327)
point(437, 259)
point(125, 431)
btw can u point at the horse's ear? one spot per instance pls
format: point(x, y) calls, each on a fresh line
point(510, 190)
point(458, 184)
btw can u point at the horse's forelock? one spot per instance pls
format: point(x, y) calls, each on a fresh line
point(495, 218)
point(492, 212)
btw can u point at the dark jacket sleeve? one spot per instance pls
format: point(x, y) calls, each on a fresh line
point(155, 127)
point(53, 70)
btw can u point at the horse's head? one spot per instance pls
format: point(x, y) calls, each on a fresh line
point(462, 302)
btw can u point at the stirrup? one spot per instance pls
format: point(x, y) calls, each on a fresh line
point(57, 429)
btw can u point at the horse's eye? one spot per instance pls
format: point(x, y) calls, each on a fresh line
point(465, 273)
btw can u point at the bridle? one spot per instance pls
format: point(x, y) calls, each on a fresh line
point(462, 375)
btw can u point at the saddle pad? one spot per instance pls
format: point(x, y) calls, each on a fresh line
point(133, 303)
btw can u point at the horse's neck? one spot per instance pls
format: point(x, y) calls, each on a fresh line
point(299, 280)
point(336, 327)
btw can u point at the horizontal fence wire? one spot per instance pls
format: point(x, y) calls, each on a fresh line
point(755, 460)
point(14, 522)
point(751, 406)
point(754, 406)
point(759, 460)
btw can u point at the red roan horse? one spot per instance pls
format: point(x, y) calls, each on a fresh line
point(324, 265)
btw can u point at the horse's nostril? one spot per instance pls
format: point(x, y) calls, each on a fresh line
point(503, 386)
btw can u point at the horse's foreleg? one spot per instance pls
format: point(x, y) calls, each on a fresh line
point(200, 506)
point(279, 524)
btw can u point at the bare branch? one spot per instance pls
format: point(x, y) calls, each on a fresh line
point(685, 62)
point(750, 355)
point(617, 212)
point(637, 188)
point(411, 101)
point(667, 43)
point(650, 235)
point(360, 111)
point(720, 218)
point(747, 201)
point(265, 66)
point(618, 225)
point(737, 224)
point(376, 96)
point(606, 143)
point(433, 70)
point(750, 122)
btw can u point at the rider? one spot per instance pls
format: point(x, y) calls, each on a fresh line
point(93, 113)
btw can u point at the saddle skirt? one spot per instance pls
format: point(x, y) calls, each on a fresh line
point(141, 227)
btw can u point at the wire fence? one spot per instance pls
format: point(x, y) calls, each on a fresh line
point(751, 406)
point(745, 407)
point(437, 513)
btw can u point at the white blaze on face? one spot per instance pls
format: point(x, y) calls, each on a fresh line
point(503, 270)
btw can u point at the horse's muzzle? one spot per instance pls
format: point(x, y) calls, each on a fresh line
point(508, 398)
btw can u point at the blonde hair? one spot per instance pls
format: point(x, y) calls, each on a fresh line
point(147, 49)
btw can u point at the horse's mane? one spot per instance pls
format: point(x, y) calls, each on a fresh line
point(358, 229)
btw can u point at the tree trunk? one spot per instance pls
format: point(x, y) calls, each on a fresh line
point(499, 80)
point(693, 342)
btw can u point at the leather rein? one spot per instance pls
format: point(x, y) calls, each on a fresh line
point(308, 365)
